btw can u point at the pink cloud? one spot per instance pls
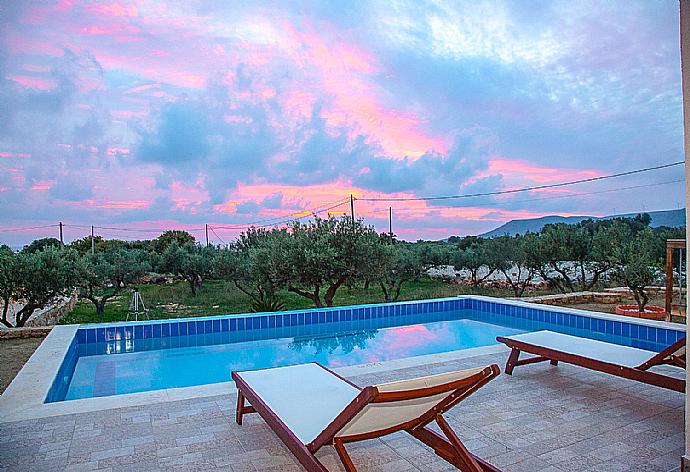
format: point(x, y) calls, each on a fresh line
point(37, 83)
point(116, 151)
point(43, 185)
point(524, 170)
point(345, 72)
point(113, 204)
point(22, 155)
point(115, 9)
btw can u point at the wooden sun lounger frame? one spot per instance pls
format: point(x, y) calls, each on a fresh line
point(639, 373)
point(449, 448)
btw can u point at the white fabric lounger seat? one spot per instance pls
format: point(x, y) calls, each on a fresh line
point(306, 397)
point(309, 406)
point(591, 348)
point(622, 361)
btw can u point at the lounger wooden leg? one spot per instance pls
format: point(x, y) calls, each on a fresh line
point(344, 456)
point(446, 451)
point(464, 455)
point(512, 360)
point(554, 362)
point(240, 408)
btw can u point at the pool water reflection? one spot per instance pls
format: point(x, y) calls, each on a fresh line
point(202, 361)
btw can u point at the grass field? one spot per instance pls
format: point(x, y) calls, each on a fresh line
point(219, 297)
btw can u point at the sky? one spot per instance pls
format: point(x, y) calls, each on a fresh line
point(141, 116)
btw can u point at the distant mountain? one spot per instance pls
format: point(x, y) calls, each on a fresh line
point(672, 218)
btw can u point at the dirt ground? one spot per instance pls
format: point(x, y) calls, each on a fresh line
point(13, 355)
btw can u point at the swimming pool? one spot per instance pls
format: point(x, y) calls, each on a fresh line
point(135, 357)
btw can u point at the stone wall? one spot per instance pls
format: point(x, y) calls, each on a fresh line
point(576, 298)
point(52, 315)
point(17, 333)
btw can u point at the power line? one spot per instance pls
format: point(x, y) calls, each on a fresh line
point(524, 189)
point(7, 230)
point(219, 238)
point(491, 204)
point(278, 220)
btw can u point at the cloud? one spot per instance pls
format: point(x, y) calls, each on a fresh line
point(201, 111)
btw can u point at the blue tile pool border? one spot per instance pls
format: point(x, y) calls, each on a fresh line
point(645, 332)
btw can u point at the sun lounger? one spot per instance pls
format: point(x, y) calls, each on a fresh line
point(623, 361)
point(309, 406)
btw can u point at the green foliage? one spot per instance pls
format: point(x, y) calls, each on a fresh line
point(325, 254)
point(40, 244)
point(83, 245)
point(126, 265)
point(43, 276)
point(9, 283)
point(433, 254)
point(636, 264)
point(514, 260)
point(394, 264)
point(473, 254)
point(219, 297)
point(191, 262)
point(165, 240)
point(268, 305)
point(254, 263)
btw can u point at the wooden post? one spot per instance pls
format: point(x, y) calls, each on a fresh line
point(62, 241)
point(669, 280)
point(352, 208)
point(390, 221)
point(685, 76)
point(206, 234)
point(93, 243)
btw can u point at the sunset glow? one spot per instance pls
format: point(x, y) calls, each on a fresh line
point(133, 113)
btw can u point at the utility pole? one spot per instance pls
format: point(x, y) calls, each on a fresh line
point(62, 241)
point(390, 221)
point(206, 234)
point(352, 209)
point(93, 243)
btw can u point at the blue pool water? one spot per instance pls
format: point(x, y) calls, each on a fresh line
point(106, 374)
point(123, 358)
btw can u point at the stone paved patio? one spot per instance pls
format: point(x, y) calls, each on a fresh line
point(542, 419)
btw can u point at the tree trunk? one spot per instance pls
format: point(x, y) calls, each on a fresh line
point(384, 289)
point(314, 297)
point(641, 298)
point(488, 274)
point(23, 315)
point(398, 286)
point(257, 299)
point(330, 293)
point(5, 309)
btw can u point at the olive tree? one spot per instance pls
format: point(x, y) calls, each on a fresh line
point(190, 261)
point(395, 264)
point(166, 239)
point(126, 265)
point(636, 265)
point(254, 265)
point(103, 275)
point(95, 281)
point(8, 281)
point(42, 277)
point(474, 257)
point(324, 254)
point(514, 261)
point(571, 257)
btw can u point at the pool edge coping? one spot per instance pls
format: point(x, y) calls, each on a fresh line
point(24, 397)
point(33, 410)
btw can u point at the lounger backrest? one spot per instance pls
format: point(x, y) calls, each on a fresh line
point(673, 354)
point(401, 403)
